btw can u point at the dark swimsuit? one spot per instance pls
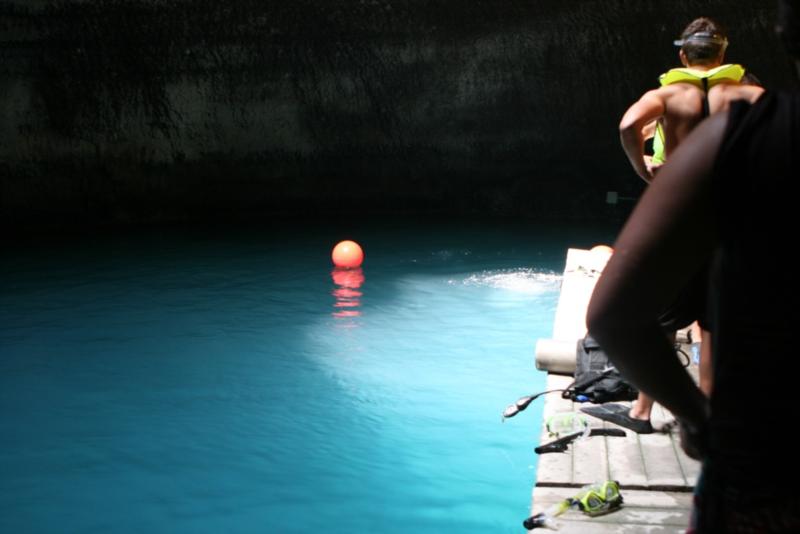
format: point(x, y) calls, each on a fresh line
point(749, 481)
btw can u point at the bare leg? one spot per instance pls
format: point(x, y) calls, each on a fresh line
point(697, 333)
point(642, 408)
point(705, 370)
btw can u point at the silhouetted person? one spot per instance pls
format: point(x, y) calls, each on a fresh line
point(704, 85)
point(729, 192)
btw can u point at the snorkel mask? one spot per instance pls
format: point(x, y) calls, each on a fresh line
point(703, 38)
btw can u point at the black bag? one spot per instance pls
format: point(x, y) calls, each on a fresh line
point(596, 379)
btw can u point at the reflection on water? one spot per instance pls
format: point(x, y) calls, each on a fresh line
point(346, 292)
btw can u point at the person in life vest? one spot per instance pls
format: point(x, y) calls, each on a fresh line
point(728, 192)
point(704, 85)
point(688, 94)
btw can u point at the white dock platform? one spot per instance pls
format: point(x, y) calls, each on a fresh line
point(656, 478)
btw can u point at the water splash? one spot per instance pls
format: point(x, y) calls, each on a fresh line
point(530, 281)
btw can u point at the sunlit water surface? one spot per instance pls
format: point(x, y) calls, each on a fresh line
point(232, 381)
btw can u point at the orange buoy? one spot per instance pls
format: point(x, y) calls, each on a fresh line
point(347, 254)
point(605, 249)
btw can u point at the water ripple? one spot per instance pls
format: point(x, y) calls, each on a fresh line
point(531, 281)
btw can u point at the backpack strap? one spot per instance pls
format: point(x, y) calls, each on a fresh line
point(569, 392)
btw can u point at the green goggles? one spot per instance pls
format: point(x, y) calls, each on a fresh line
point(599, 499)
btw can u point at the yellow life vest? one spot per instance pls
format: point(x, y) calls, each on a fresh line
point(702, 79)
point(730, 73)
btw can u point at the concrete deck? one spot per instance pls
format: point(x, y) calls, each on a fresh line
point(642, 512)
point(656, 478)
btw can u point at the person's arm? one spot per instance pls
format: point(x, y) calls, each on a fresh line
point(632, 128)
point(670, 235)
point(649, 130)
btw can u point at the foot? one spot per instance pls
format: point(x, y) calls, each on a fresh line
point(619, 415)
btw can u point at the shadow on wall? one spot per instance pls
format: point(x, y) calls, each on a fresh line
point(150, 110)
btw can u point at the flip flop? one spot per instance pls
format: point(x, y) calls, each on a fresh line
point(618, 414)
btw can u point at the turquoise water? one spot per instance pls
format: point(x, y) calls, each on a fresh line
point(193, 381)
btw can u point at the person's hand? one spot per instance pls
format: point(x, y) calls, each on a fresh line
point(652, 168)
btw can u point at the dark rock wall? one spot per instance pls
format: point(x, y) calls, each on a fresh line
point(199, 109)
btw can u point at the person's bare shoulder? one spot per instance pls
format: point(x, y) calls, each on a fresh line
point(720, 96)
point(669, 92)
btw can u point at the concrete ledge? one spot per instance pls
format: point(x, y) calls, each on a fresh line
point(581, 272)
